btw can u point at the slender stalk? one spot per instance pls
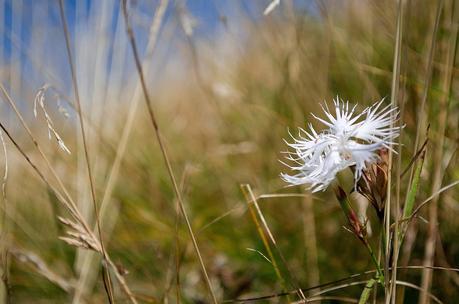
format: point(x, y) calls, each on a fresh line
point(434, 195)
point(261, 232)
point(409, 203)
point(71, 206)
point(375, 261)
point(177, 256)
point(309, 232)
point(421, 116)
point(352, 277)
point(163, 148)
point(390, 288)
point(407, 212)
point(67, 201)
point(334, 288)
point(106, 274)
point(293, 279)
point(438, 170)
point(59, 196)
point(122, 143)
point(357, 228)
point(67, 204)
point(57, 82)
point(3, 233)
point(380, 250)
point(121, 148)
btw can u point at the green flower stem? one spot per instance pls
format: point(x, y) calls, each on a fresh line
point(357, 227)
point(380, 276)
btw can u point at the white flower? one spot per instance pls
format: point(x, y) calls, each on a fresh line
point(350, 140)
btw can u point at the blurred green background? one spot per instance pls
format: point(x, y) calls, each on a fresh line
point(227, 83)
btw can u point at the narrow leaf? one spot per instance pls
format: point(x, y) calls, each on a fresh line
point(410, 198)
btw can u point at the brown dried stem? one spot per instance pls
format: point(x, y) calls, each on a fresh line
point(163, 148)
point(106, 273)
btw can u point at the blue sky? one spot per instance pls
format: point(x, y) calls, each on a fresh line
point(31, 32)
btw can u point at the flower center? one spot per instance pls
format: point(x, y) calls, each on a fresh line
point(345, 154)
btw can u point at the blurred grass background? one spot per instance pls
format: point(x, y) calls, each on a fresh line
point(227, 84)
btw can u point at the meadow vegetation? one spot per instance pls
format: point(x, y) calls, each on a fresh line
point(222, 101)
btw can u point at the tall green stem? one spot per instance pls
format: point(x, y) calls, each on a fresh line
point(375, 261)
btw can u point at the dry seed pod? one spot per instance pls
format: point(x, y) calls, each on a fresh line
point(355, 225)
point(373, 183)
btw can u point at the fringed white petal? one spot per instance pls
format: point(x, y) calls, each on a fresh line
point(350, 140)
